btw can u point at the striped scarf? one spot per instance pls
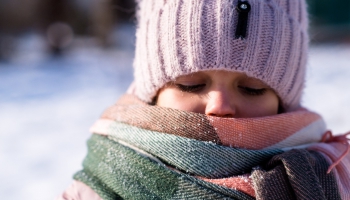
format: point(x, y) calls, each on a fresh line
point(140, 151)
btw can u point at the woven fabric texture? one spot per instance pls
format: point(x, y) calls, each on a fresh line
point(179, 37)
point(304, 171)
point(289, 129)
point(114, 171)
point(134, 163)
point(136, 159)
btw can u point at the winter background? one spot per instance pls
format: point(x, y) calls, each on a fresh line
point(47, 105)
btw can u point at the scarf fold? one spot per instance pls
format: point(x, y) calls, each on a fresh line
point(148, 152)
point(115, 171)
point(288, 130)
point(305, 174)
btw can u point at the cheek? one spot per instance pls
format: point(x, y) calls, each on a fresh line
point(273, 103)
point(172, 98)
point(263, 106)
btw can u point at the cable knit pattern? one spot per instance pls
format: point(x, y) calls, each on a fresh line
point(179, 37)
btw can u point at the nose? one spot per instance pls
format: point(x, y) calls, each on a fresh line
point(219, 104)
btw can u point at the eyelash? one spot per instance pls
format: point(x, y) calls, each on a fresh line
point(190, 88)
point(252, 91)
point(197, 88)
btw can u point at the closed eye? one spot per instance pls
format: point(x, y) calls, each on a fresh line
point(190, 88)
point(253, 91)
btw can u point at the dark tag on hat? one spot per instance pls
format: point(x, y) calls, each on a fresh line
point(243, 9)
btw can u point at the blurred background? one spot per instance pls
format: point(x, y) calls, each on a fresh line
point(62, 62)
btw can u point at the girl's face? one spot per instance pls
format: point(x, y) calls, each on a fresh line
point(221, 94)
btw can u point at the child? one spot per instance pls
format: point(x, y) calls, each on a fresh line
point(214, 111)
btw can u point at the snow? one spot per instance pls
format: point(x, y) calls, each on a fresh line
point(47, 105)
point(327, 87)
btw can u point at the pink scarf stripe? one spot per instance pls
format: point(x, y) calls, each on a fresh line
point(307, 135)
point(255, 133)
point(242, 183)
point(297, 129)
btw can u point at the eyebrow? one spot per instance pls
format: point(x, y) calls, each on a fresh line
point(189, 76)
point(257, 81)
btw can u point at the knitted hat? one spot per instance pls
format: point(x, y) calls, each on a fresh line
point(265, 39)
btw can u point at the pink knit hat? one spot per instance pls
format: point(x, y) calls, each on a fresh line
point(265, 39)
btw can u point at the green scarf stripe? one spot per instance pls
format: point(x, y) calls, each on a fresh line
point(118, 167)
point(127, 175)
point(95, 184)
point(187, 154)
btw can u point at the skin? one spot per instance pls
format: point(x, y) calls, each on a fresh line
point(220, 93)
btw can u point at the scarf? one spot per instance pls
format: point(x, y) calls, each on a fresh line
point(140, 151)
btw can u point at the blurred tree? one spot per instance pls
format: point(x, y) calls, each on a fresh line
point(330, 20)
point(333, 12)
point(16, 16)
point(66, 11)
point(124, 9)
point(59, 21)
point(108, 13)
point(102, 21)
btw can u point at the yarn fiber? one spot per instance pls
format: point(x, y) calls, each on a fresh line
point(179, 37)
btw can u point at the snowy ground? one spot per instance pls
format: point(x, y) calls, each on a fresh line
point(47, 106)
